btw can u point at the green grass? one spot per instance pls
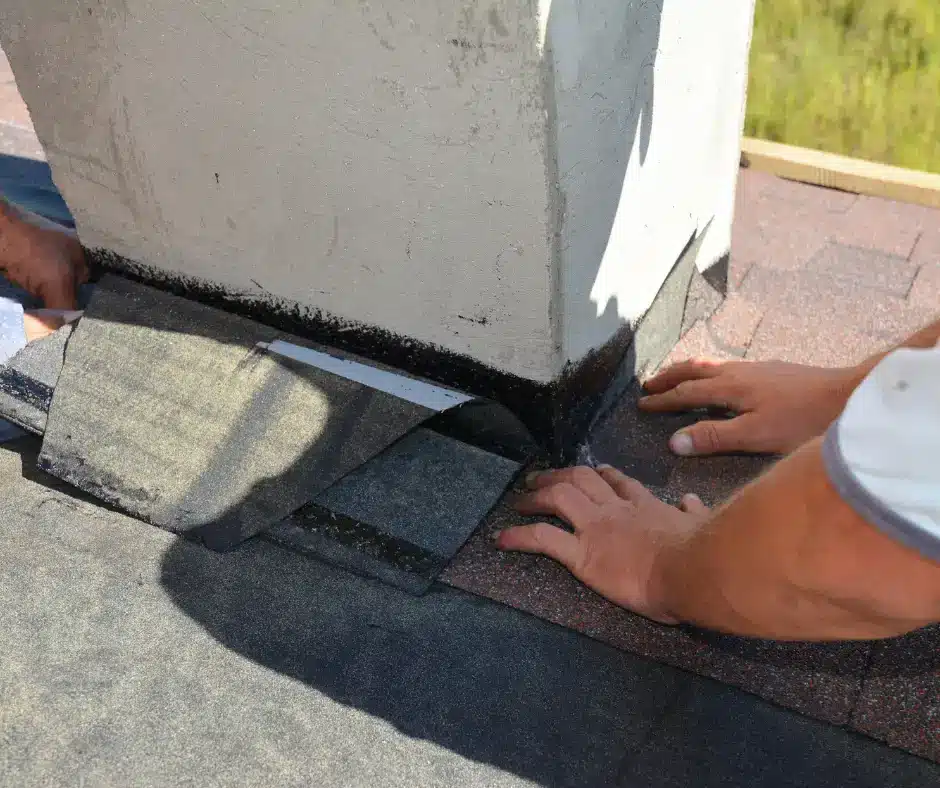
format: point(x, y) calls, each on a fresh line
point(857, 77)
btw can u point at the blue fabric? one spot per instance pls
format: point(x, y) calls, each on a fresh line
point(28, 183)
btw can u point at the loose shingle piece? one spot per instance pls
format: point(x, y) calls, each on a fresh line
point(183, 416)
point(403, 515)
point(28, 379)
point(167, 409)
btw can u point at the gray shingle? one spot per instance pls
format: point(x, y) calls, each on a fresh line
point(167, 409)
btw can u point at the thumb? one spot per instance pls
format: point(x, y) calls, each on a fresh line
point(712, 437)
point(692, 504)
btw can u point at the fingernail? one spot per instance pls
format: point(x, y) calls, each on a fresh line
point(532, 478)
point(681, 444)
point(605, 467)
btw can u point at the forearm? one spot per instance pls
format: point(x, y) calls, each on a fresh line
point(927, 337)
point(787, 558)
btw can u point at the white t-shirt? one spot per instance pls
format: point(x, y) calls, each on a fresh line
point(883, 453)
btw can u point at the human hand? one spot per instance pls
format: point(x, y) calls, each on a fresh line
point(779, 406)
point(621, 533)
point(51, 268)
point(40, 323)
point(44, 259)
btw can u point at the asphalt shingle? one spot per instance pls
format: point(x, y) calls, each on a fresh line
point(167, 409)
point(127, 651)
point(806, 298)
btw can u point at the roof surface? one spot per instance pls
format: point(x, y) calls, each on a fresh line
point(817, 277)
point(132, 657)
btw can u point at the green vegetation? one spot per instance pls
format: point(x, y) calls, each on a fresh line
point(857, 77)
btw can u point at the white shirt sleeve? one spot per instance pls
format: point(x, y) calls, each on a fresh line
point(883, 453)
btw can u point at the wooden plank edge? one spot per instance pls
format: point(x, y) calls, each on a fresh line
point(841, 172)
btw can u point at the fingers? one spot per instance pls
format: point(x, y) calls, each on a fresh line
point(690, 394)
point(625, 487)
point(715, 437)
point(63, 316)
point(57, 292)
point(82, 272)
point(692, 504)
point(40, 323)
point(558, 500)
point(601, 486)
point(36, 327)
point(585, 479)
point(693, 369)
point(544, 539)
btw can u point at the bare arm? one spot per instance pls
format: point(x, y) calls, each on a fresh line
point(40, 256)
point(925, 338)
point(788, 558)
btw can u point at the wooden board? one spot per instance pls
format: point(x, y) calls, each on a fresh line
point(841, 172)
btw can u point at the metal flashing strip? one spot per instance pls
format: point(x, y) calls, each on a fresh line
point(416, 391)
